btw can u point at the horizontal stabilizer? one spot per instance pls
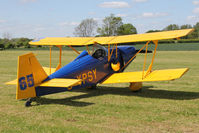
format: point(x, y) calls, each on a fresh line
point(13, 82)
point(157, 75)
point(48, 71)
point(61, 82)
point(54, 82)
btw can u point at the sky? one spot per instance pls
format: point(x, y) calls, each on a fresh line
point(58, 18)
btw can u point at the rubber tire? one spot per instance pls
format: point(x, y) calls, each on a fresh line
point(28, 103)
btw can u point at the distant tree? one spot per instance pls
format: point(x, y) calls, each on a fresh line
point(20, 42)
point(126, 29)
point(110, 26)
point(196, 26)
point(1, 45)
point(186, 26)
point(172, 27)
point(7, 35)
point(86, 28)
point(7, 44)
point(153, 31)
point(195, 34)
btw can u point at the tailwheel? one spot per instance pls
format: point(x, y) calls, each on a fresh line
point(135, 86)
point(28, 102)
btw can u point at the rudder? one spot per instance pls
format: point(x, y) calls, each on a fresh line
point(29, 75)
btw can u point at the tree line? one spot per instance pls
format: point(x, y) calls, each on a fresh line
point(7, 43)
point(114, 26)
point(111, 26)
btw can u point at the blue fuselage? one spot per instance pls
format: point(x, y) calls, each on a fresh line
point(90, 69)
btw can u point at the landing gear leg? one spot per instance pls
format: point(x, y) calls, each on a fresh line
point(28, 102)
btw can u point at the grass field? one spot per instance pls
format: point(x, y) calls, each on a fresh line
point(169, 106)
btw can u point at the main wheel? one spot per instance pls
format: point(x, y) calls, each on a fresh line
point(135, 86)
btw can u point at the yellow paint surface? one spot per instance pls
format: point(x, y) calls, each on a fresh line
point(157, 75)
point(47, 70)
point(30, 74)
point(61, 82)
point(80, 41)
point(13, 82)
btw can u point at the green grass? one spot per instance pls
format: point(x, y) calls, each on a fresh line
point(174, 47)
point(169, 106)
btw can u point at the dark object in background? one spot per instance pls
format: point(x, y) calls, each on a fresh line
point(143, 51)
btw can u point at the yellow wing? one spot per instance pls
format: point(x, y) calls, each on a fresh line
point(157, 75)
point(61, 82)
point(47, 70)
point(80, 41)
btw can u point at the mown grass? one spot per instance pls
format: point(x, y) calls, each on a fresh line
point(174, 47)
point(169, 106)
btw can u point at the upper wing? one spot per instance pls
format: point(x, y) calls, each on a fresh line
point(79, 41)
point(157, 75)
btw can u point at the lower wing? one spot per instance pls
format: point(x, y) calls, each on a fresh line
point(61, 82)
point(157, 75)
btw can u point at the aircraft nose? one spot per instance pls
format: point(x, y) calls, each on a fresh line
point(127, 52)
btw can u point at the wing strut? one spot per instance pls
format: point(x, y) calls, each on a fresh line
point(109, 57)
point(116, 50)
point(135, 55)
point(149, 70)
point(108, 51)
point(60, 54)
point(50, 59)
point(88, 49)
point(73, 49)
point(152, 61)
point(145, 60)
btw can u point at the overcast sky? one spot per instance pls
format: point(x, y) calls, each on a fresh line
point(54, 18)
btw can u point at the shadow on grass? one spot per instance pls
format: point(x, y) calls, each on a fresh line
point(146, 92)
point(64, 101)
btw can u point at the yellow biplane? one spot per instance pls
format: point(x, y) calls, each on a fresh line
point(96, 65)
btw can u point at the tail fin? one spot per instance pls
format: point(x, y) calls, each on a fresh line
point(30, 74)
